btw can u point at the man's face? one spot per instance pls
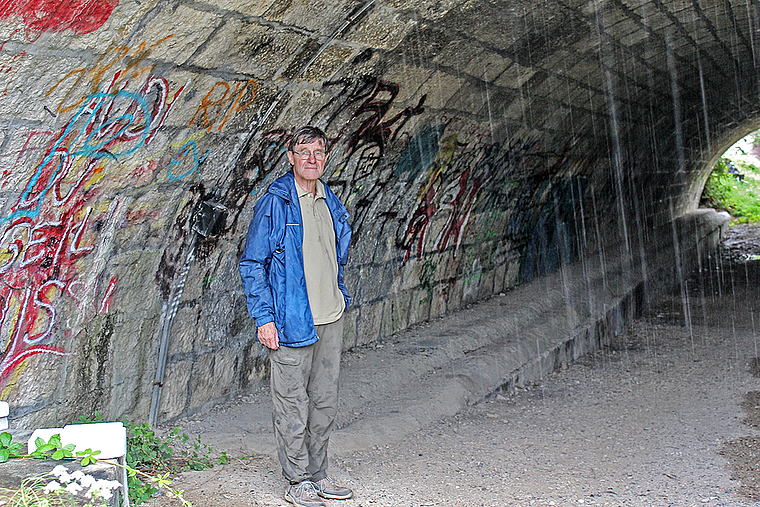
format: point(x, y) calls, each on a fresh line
point(308, 162)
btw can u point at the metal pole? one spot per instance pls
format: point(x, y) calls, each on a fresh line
point(171, 311)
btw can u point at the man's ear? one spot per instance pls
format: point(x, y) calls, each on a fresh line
point(290, 157)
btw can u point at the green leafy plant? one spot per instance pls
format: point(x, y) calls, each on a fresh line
point(87, 456)
point(163, 456)
point(97, 418)
point(727, 192)
point(52, 449)
point(151, 459)
point(9, 448)
point(33, 494)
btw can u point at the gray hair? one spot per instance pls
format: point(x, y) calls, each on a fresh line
point(306, 135)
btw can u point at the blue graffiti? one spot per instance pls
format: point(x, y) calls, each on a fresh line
point(178, 159)
point(103, 125)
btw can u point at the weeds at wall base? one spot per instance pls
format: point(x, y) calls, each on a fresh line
point(150, 461)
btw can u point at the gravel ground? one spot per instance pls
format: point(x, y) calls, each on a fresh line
point(666, 415)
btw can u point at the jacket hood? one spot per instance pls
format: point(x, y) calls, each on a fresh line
point(284, 186)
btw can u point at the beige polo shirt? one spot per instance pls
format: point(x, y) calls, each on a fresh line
point(320, 261)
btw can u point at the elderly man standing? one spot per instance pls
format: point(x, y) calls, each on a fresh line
point(292, 272)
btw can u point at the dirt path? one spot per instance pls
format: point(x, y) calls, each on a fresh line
point(662, 417)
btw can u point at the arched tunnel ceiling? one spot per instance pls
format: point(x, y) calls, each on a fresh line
point(686, 62)
point(642, 81)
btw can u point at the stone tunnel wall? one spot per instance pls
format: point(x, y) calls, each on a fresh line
point(477, 146)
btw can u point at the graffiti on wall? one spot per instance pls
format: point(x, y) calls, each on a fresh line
point(451, 170)
point(81, 16)
point(361, 107)
point(75, 190)
point(51, 226)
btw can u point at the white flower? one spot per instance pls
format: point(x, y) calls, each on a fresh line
point(107, 485)
point(77, 475)
point(105, 494)
point(87, 481)
point(61, 472)
point(51, 486)
point(60, 469)
point(73, 488)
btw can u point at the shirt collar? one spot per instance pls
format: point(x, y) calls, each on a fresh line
point(320, 191)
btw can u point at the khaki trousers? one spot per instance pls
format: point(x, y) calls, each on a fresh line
point(304, 384)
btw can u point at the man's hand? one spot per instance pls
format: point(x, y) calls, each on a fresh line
point(268, 336)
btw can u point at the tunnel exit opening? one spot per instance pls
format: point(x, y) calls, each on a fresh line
point(734, 181)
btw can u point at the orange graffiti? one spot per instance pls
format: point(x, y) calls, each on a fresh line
point(232, 98)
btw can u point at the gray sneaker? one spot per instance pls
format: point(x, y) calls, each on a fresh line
point(328, 488)
point(303, 494)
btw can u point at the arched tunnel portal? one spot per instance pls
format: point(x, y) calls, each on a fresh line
point(478, 145)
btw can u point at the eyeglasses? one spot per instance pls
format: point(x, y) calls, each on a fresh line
point(306, 154)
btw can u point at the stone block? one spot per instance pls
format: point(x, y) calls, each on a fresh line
point(439, 89)
point(382, 28)
point(370, 283)
point(18, 94)
point(440, 303)
point(369, 323)
point(487, 65)
point(174, 394)
point(350, 337)
point(119, 26)
point(458, 54)
point(213, 377)
point(470, 284)
point(246, 7)
point(395, 314)
point(514, 76)
point(499, 277)
point(301, 13)
point(419, 306)
point(486, 288)
point(252, 49)
point(470, 96)
point(176, 41)
point(409, 79)
point(410, 275)
point(185, 331)
point(327, 64)
point(455, 296)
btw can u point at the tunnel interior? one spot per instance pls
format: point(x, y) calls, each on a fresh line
point(477, 144)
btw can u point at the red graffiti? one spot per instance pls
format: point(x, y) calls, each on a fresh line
point(40, 264)
point(447, 190)
point(81, 16)
point(56, 219)
point(105, 304)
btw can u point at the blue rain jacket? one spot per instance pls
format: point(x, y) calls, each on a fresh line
point(272, 263)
